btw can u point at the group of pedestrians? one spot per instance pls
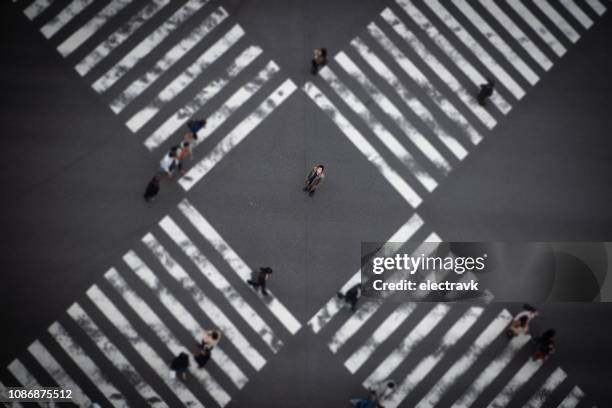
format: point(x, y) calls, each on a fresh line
point(179, 367)
point(545, 344)
point(172, 162)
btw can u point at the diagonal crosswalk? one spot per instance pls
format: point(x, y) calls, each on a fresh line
point(115, 345)
point(156, 77)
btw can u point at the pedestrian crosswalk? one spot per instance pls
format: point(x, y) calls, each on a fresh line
point(114, 345)
point(157, 77)
point(408, 81)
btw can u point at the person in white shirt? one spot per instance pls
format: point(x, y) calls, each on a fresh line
point(169, 163)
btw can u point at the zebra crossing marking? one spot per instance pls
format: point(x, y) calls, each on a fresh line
point(169, 59)
point(21, 373)
point(116, 357)
point(518, 380)
point(36, 8)
point(141, 346)
point(479, 52)
point(103, 83)
point(453, 54)
point(542, 394)
point(487, 376)
point(91, 27)
point(572, 399)
point(554, 16)
point(231, 105)
point(436, 66)
point(210, 309)
point(64, 17)
point(521, 38)
point(577, 12)
point(237, 264)
point(419, 78)
point(164, 334)
point(4, 392)
point(362, 144)
point(386, 137)
point(52, 367)
point(394, 113)
point(182, 81)
point(427, 363)
point(597, 7)
point(537, 26)
point(236, 135)
point(86, 364)
point(119, 36)
point(495, 40)
point(326, 313)
point(401, 352)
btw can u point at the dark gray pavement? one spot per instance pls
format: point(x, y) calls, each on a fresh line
point(73, 176)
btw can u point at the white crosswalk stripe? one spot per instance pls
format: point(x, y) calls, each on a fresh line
point(238, 134)
point(174, 122)
point(209, 308)
point(86, 364)
point(169, 59)
point(162, 331)
point(577, 12)
point(521, 38)
point(537, 26)
point(36, 8)
point(22, 374)
point(394, 113)
point(444, 104)
point(4, 393)
point(572, 399)
point(50, 364)
point(596, 5)
point(179, 83)
point(554, 16)
point(185, 318)
point(453, 335)
point(64, 17)
point(85, 32)
point(115, 356)
point(237, 264)
point(148, 354)
point(436, 66)
point(479, 52)
point(497, 41)
point(120, 36)
point(451, 51)
point(520, 378)
point(379, 130)
point(542, 394)
point(147, 45)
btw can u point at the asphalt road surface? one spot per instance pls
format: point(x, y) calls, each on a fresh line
point(101, 289)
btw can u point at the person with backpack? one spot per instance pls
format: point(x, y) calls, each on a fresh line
point(205, 347)
point(194, 126)
point(180, 365)
point(314, 178)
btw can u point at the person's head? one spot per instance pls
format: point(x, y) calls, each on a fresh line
point(214, 335)
point(185, 144)
point(157, 179)
point(202, 122)
point(267, 270)
point(490, 81)
point(532, 310)
point(173, 150)
point(320, 168)
point(523, 321)
point(324, 51)
point(549, 334)
point(391, 384)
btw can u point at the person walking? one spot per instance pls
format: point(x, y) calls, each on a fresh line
point(194, 126)
point(260, 281)
point(351, 297)
point(382, 391)
point(169, 163)
point(545, 345)
point(180, 366)
point(183, 151)
point(314, 178)
point(152, 188)
point(370, 402)
point(205, 347)
point(520, 323)
point(486, 90)
point(319, 60)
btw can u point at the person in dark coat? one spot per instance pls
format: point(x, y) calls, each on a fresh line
point(180, 365)
point(314, 178)
point(319, 60)
point(546, 345)
point(486, 90)
point(351, 297)
point(152, 188)
point(194, 125)
point(260, 281)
